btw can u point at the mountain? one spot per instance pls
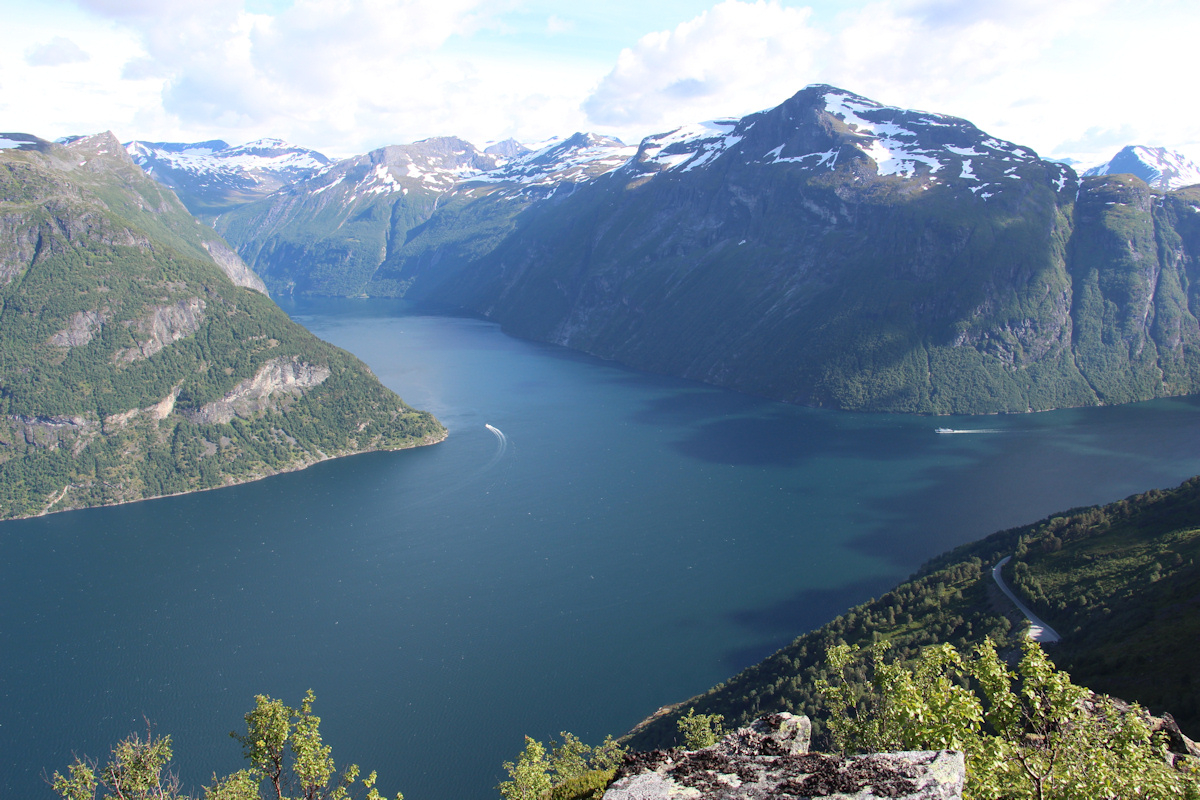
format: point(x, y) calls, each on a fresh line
point(331, 233)
point(139, 360)
point(1120, 583)
point(837, 252)
point(212, 176)
point(1159, 167)
point(831, 251)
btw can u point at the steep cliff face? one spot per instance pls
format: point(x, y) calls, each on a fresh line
point(1133, 263)
point(133, 366)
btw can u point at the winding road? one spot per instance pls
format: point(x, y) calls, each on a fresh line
point(1038, 631)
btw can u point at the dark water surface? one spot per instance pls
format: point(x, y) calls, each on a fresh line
point(624, 542)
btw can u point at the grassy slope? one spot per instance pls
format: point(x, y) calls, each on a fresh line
point(107, 241)
point(1120, 582)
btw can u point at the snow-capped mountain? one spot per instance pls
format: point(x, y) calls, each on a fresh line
point(330, 232)
point(538, 173)
point(210, 176)
point(1157, 166)
point(924, 148)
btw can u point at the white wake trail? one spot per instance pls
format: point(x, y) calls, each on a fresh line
point(502, 445)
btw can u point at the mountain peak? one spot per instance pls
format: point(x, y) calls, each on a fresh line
point(509, 148)
point(1157, 166)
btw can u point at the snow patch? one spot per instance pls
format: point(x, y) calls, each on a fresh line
point(893, 147)
point(339, 179)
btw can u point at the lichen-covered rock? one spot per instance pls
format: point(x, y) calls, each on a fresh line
point(769, 759)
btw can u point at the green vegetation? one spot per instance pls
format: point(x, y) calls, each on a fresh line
point(132, 367)
point(282, 744)
point(1026, 733)
point(700, 730)
point(1119, 582)
point(570, 770)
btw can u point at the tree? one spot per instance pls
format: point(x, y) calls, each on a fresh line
point(267, 728)
point(700, 730)
point(136, 770)
point(1031, 733)
point(529, 777)
point(284, 747)
point(571, 764)
point(282, 744)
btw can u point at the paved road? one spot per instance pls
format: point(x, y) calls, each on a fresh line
point(1038, 630)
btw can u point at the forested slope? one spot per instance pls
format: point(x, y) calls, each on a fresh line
point(131, 366)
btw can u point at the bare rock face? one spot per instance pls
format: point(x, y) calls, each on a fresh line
point(81, 327)
point(47, 432)
point(275, 381)
point(233, 266)
point(164, 325)
point(770, 759)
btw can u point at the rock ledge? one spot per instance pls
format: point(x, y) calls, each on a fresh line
point(770, 759)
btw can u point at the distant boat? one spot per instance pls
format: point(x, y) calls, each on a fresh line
point(943, 430)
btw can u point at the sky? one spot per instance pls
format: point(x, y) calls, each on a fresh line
point(1070, 78)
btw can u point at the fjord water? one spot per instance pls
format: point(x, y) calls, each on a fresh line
point(619, 542)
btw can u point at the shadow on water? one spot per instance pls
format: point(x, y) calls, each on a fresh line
point(692, 406)
point(781, 622)
point(790, 437)
point(1042, 464)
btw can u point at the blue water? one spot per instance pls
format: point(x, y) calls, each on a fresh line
point(627, 542)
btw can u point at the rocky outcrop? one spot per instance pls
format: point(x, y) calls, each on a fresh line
point(157, 412)
point(47, 432)
point(770, 759)
point(162, 326)
point(233, 266)
point(81, 327)
point(275, 381)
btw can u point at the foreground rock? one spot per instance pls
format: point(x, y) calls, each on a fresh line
point(770, 759)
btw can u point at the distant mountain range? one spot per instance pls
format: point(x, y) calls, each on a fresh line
point(141, 357)
point(831, 251)
point(212, 176)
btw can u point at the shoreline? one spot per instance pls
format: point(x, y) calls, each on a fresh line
point(62, 493)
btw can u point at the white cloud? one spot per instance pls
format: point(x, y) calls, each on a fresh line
point(735, 58)
point(56, 52)
point(1041, 74)
point(348, 75)
point(556, 24)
